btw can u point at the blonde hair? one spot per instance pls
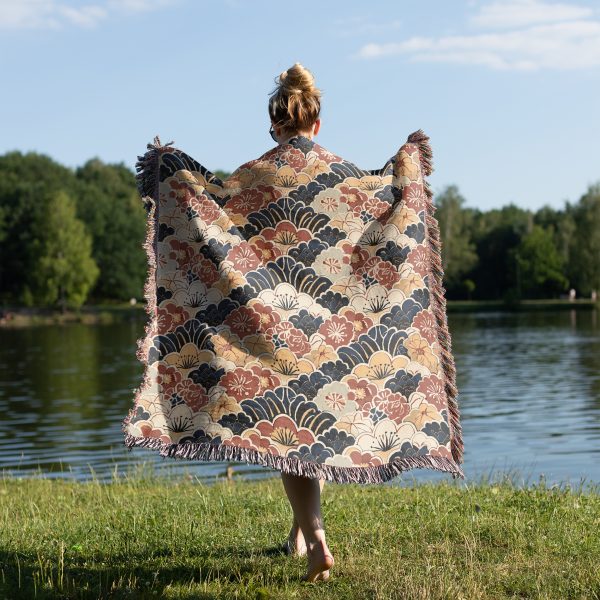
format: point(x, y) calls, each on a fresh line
point(295, 104)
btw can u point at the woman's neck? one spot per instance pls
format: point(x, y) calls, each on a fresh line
point(297, 134)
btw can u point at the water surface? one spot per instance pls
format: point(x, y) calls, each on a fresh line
point(529, 397)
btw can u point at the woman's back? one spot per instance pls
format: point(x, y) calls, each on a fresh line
point(298, 320)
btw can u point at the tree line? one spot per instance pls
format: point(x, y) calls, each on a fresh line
point(74, 236)
point(512, 253)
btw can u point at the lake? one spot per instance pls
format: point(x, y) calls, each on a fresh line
point(529, 397)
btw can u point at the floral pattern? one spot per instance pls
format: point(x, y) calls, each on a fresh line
point(294, 310)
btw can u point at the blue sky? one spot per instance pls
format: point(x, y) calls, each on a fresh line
point(507, 90)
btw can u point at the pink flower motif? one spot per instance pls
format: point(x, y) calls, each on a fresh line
point(267, 315)
point(243, 321)
point(373, 206)
point(181, 252)
point(285, 234)
point(362, 391)
point(179, 190)
point(295, 158)
point(441, 451)
point(170, 316)
point(253, 441)
point(245, 202)
point(193, 394)
point(413, 196)
point(269, 192)
point(365, 459)
point(206, 271)
point(168, 378)
point(284, 432)
point(266, 250)
point(243, 257)
point(337, 331)
point(240, 383)
point(149, 432)
point(267, 379)
point(433, 389)
point(353, 197)
point(418, 257)
point(325, 155)
point(208, 210)
point(295, 339)
point(381, 270)
point(395, 405)
point(424, 321)
point(360, 322)
point(358, 255)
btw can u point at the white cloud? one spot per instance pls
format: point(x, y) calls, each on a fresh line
point(551, 36)
point(56, 14)
point(138, 5)
point(519, 13)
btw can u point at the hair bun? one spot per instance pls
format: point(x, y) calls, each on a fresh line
point(295, 103)
point(297, 80)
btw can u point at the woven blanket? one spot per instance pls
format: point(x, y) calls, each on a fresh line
point(296, 315)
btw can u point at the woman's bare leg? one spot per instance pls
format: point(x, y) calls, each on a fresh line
point(304, 494)
point(295, 539)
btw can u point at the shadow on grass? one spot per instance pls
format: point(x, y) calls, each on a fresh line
point(28, 575)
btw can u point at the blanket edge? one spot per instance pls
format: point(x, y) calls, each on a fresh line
point(439, 294)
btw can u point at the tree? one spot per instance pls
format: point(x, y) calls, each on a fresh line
point(540, 266)
point(65, 270)
point(111, 208)
point(496, 232)
point(458, 251)
point(24, 180)
point(585, 243)
point(222, 175)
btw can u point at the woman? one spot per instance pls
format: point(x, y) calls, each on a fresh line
point(294, 109)
point(298, 316)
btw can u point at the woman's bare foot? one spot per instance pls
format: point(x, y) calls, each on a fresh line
point(320, 560)
point(295, 544)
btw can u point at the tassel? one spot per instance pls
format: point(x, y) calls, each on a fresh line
point(205, 451)
point(147, 185)
point(421, 140)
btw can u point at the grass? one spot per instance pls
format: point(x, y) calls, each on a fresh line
point(148, 536)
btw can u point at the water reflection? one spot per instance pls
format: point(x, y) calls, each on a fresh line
point(529, 395)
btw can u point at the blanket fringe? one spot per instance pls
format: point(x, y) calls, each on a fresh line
point(147, 181)
point(439, 298)
point(294, 466)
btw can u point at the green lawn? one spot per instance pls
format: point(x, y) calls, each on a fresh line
point(150, 537)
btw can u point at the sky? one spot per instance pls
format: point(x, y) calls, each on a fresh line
point(507, 90)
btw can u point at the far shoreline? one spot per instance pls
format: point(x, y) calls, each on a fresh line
point(12, 316)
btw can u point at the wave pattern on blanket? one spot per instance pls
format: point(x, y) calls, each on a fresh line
point(297, 317)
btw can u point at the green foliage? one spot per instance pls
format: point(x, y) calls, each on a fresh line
point(496, 232)
point(584, 246)
point(106, 201)
point(64, 269)
point(25, 179)
point(458, 250)
point(222, 175)
point(540, 266)
point(508, 253)
point(110, 206)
